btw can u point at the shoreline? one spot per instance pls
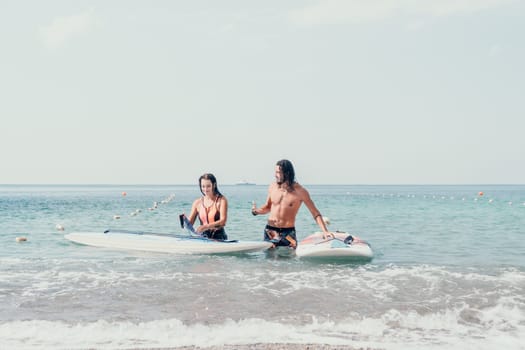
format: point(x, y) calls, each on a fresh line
point(262, 346)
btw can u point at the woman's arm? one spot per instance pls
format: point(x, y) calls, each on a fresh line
point(193, 212)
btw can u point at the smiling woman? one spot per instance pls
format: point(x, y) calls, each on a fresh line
point(211, 209)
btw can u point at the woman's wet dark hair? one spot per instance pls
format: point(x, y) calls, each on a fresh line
point(211, 177)
point(288, 173)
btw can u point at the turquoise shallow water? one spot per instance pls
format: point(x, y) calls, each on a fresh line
point(449, 271)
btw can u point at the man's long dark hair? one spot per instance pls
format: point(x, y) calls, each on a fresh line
point(211, 177)
point(288, 173)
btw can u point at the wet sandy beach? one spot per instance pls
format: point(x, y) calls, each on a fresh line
point(266, 346)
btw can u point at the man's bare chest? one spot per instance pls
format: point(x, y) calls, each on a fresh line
point(285, 199)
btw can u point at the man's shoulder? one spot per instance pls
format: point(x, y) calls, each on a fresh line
point(300, 190)
point(273, 186)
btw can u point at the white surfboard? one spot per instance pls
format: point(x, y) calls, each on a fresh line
point(164, 243)
point(339, 247)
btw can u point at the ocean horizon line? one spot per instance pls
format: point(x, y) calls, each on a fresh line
point(254, 184)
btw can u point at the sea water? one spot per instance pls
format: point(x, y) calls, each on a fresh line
point(448, 271)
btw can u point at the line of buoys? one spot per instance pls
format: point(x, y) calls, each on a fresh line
point(21, 239)
point(136, 212)
point(60, 227)
point(478, 197)
point(152, 208)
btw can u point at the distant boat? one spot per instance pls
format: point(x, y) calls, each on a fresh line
point(245, 183)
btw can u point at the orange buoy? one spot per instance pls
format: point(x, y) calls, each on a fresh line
point(480, 193)
point(124, 194)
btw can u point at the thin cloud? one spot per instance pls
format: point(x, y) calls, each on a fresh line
point(337, 11)
point(64, 29)
point(495, 50)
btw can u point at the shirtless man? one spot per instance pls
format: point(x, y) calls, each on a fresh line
point(285, 196)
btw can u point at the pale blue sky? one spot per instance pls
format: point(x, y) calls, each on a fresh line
point(353, 92)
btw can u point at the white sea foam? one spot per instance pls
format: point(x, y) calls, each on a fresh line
point(378, 284)
point(500, 327)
